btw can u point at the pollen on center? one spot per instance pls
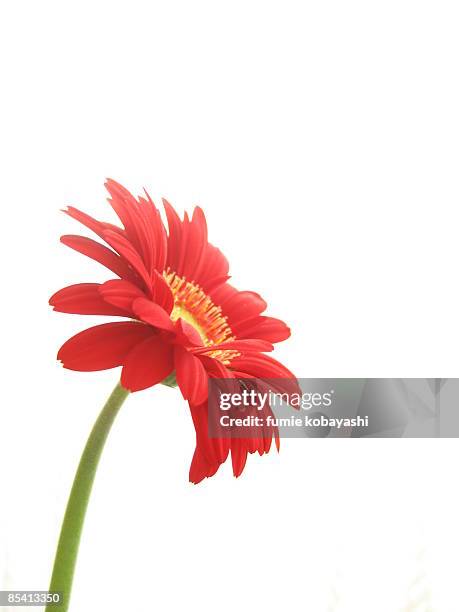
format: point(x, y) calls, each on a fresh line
point(196, 308)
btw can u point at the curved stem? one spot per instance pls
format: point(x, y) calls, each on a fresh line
point(69, 539)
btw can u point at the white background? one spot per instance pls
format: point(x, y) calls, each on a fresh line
point(321, 138)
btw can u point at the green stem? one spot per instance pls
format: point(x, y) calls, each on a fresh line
point(72, 526)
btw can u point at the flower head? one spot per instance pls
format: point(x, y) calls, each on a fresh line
point(182, 318)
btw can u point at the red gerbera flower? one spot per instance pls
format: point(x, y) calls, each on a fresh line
point(183, 318)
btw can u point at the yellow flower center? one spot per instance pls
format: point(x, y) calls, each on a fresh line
point(196, 308)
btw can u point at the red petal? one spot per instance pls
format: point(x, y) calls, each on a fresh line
point(243, 346)
point(102, 347)
point(189, 252)
point(126, 207)
point(214, 450)
point(186, 334)
point(195, 246)
point(238, 305)
point(147, 364)
point(100, 253)
point(153, 314)
point(175, 236)
point(191, 376)
point(128, 251)
point(161, 292)
point(210, 453)
point(266, 328)
point(261, 366)
point(243, 310)
point(214, 269)
point(85, 298)
point(200, 468)
point(215, 367)
point(120, 293)
point(244, 305)
point(239, 455)
point(98, 227)
point(213, 283)
point(158, 230)
point(143, 223)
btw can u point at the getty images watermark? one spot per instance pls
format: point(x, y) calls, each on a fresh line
point(251, 408)
point(260, 401)
point(334, 408)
